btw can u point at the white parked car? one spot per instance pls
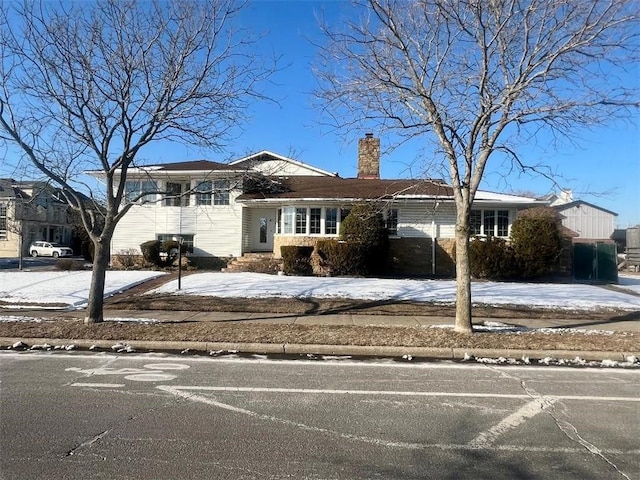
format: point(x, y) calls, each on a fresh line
point(48, 249)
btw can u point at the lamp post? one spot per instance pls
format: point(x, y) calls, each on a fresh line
point(180, 240)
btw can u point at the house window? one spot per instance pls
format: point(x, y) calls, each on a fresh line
point(203, 193)
point(489, 223)
point(315, 226)
point(220, 192)
point(301, 220)
point(310, 220)
point(331, 221)
point(3, 221)
point(279, 221)
point(187, 240)
point(176, 195)
point(475, 222)
point(288, 214)
point(391, 222)
point(503, 223)
point(214, 192)
point(140, 191)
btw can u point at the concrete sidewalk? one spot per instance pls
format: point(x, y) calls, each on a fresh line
point(630, 323)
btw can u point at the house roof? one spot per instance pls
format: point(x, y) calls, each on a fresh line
point(315, 187)
point(194, 165)
point(266, 155)
point(7, 189)
point(577, 203)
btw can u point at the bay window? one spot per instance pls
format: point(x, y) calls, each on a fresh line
point(310, 220)
point(490, 223)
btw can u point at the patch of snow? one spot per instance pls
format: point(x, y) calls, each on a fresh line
point(19, 345)
point(131, 320)
point(122, 348)
point(629, 282)
point(257, 285)
point(16, 318)
point(68, 288)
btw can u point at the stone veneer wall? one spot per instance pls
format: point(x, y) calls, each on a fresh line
point(369, 157)
point(412, 256)
point(407, 256)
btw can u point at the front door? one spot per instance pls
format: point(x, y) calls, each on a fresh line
point(263, 226)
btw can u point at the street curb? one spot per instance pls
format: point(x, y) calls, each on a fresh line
point(316, 349)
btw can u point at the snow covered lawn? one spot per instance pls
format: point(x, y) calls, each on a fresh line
point(256, 285)
point(72, 288)
point(66, 288)
point(629, 282)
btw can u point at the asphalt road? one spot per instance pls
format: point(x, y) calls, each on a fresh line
point(85, 416)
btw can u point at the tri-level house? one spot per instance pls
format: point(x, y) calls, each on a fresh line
point(264, 201)
point(31, 211)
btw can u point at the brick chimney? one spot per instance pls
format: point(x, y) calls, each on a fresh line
point(369, 157)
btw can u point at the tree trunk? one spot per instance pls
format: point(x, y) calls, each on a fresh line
point(96, 291)
point(463, 274)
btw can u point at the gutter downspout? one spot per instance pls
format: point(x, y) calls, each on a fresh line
point(433, 239)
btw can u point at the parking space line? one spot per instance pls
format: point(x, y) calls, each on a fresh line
point(550, 398)
point(98, 385)
point(510, 422)
point(184, 392)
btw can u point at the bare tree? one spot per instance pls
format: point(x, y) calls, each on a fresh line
point(86, 86)
point(479, 78)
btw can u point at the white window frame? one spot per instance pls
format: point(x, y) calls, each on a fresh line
point(496, 227)
point(133, 188)
point(288, 220)
point(4, 220)
point(390, 214)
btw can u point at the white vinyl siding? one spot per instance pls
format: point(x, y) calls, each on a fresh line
point(415, 220)
point(216, 230)
point(588, 222)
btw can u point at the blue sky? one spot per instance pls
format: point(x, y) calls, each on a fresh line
point(602, 166)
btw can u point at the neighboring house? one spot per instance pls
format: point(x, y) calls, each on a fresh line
point(31, 211)
point(589, 222)
point(264, 201)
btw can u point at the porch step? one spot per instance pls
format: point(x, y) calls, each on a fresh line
point(254, 262)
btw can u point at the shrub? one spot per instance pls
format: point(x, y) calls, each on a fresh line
point(342, 258)
point(67, 264)
point(127, 259)
point(492, 258)
point(162, 254)
point(208, 263)
point(296, 260)
point(365, 227)
point(537, 241)
point(151, 252)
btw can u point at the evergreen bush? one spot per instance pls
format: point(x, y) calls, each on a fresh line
point(342, 258)
point(492, 258)
point(536, 239)
point(296, 260)
point(151, 252)
point(364, 226)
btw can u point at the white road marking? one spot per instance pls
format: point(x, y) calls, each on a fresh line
point(167, 366)
point(98, 385)
point(551, 398)
point(185, 393)
point(150, 377)
point(510, 422)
